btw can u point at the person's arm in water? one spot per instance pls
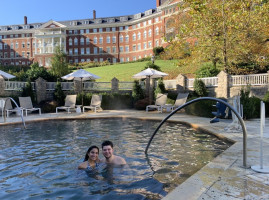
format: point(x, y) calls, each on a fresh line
point(83, 165)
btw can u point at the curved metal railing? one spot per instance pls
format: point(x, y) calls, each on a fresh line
point(17, 108)
point(213, 99)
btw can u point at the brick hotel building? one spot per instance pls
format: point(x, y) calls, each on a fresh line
point(116, 39)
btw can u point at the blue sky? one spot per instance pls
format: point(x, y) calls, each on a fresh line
point(13, 12)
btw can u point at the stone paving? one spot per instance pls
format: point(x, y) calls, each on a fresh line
point(222, 178)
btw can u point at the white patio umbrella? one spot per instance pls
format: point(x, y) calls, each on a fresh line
point(6, 75)
point(81, 75)
point(149, 73)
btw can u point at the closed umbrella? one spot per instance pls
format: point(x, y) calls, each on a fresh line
point(81, 75)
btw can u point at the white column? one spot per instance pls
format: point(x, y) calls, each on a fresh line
point(43, 46)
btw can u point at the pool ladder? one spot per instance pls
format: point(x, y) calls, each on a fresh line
point(212, 99)
point(19, 109)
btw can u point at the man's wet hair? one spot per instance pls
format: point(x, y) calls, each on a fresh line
point(107, 143)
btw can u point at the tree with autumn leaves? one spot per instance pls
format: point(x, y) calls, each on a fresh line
point(231, 33)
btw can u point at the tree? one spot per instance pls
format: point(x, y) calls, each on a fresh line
point(59, 66)
point(227, 32)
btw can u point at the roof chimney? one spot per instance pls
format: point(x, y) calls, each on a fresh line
point(94, 14)
point(158, 3)
point(25, 20)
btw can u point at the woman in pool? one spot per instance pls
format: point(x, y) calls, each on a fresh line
point(91, 160)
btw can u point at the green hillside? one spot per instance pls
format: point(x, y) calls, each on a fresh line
point(124, 72)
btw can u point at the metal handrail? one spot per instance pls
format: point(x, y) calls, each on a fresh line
point(23, 122)
point(213, 99)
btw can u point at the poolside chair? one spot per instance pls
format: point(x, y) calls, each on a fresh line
point(95, 103)
point(27, 105)
point(160, 101)
point(70, 103)
point(181, 99)
point(9, 108)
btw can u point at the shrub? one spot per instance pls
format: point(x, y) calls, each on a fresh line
point(48, 106)
point(116, 101)
point(251, 105)
point(158, 50)
point(160, 88)
point(27, 91)
point(138, 92)
point(153, 66)
point(58, 94)
point(207, 70)
point(35, 72)
point(200, 88)
point(141, 104)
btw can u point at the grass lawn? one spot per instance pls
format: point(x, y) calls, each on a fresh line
point(124, 72)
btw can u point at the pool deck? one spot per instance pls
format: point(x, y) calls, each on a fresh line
point(222, 178)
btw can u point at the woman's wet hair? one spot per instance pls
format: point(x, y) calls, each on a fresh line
point(89, 150)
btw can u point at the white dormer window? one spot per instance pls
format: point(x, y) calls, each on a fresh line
point(86, 22)
point(107, 29)
point(137, 16)
point(26, 27)
point(123, 19)
point(113, 29)
point(111, 20)
point(148, 12)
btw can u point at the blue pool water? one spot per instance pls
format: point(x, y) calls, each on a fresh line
point(41, 161)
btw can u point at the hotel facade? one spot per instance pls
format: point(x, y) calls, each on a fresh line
point(116, 39)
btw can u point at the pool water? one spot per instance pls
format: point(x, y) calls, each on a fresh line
point(41, 161)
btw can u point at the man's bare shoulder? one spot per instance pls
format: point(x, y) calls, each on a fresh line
point(119, 160)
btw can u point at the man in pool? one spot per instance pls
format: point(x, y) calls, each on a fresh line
point(110, 158)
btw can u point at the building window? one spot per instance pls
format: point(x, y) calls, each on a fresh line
point(76, 51)
point(127, 38)
point(138, 25)
point(95, 50)
point(70, 42)
point(75, 31)
point(114, 39)
point(121, 48)
point(23, 45)
point(149, 21)
point(126, 48)
point(139, 47)
point(101, 59)
point(81, 41)
point(138, 35)
point(149, 45)
point(100, 40)
point(107, 29)
point(108, 50)
point(95, 59)
point(95, 40)
point(75, 41)
point(70, 31)
point(150, 32)
point(114, 60)
point(121, 38)
point(127, 59)
point(157, 31)
point(87, 30)
point(82, 60)
point(121, 60)
point(82, 31)
point(145, 45)
point(11, 46)
point(95, 30)
point(11, 54)
point(23, 54)
point(17, 55)
point(28, 44)
point(145, 23)
point(156, 43)
point(88, 60)
point(101, 50)
point(70, 51)
point(134, 47)
point(113, 29)
point(82, 51)
point(134, 37)
point(5, 46)
point(134, 26)
point(100, 30)
point(107, 39)
point(76, 60)
point(113, 49)
point(121, 28)
point(157, 19)
point(17, 45)
point(88, 50)
point(134, 58)
point(126, 28)
point(145, 34)
point(1, 46)
point(87, 41)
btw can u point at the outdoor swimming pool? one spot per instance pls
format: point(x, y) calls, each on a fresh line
point(41, 162)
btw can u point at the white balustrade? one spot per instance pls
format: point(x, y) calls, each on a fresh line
point(209, 82)
point(97, 85)
point(252, 79)
point(17, 85)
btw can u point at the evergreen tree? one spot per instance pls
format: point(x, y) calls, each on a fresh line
point(59, 66)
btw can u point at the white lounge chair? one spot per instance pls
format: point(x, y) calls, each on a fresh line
point(160, 101)
point(95, 103)
point(70, 103)
point(8, 108)
point(181, 99)
point(27, 105)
